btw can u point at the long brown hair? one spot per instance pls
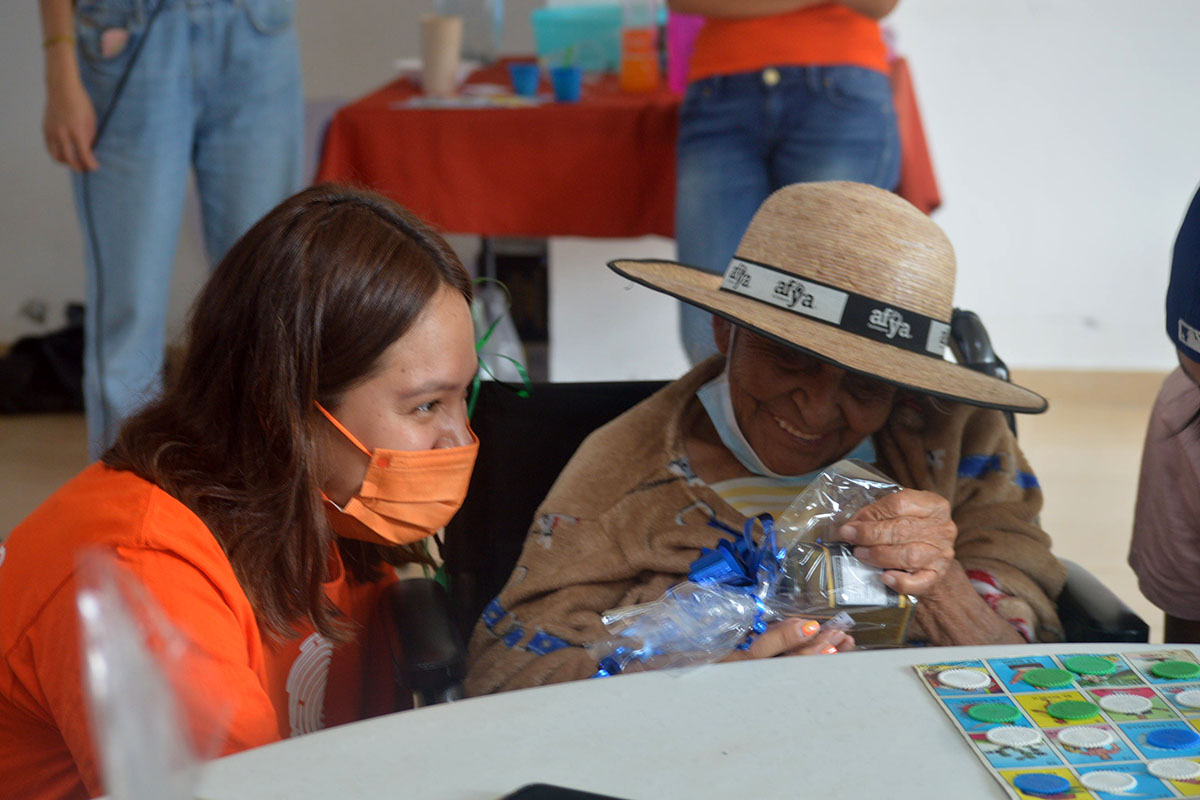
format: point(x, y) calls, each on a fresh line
point(299, 311)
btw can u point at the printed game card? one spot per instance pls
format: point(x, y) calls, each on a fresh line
point(1098, 726)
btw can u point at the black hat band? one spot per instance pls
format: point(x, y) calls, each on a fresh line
point(854, 313)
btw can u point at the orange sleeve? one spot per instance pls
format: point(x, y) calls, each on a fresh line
point(220, 677)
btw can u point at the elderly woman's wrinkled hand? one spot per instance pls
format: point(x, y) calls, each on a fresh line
point(910, 534)
point(795, 637)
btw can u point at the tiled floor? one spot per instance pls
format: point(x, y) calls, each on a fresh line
point(1085, 450)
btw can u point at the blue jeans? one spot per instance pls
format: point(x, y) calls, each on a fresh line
point(216, 88)
point(743, 136)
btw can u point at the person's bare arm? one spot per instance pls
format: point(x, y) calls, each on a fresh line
point(733, 9)
point(69, 121)
point(795, 637)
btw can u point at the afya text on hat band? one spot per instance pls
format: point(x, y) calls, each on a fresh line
point(855, 313)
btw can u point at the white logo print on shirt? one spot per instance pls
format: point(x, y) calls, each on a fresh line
point(306, 685)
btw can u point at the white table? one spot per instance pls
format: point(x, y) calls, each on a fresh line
point(855, 725)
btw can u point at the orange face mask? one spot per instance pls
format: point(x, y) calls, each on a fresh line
point(406, 495)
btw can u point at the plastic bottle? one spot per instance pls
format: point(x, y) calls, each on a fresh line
point(640, 70)
point(482, 22)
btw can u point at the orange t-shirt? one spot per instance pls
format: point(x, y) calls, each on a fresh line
point(243, 689)
point(824, 35)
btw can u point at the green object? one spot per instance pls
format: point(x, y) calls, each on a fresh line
point(993, 712)
point(1072, 709)
point(1048, 678)
point(1176, 670)
point(1089, 665)
point(520, 391)
point(442, 577)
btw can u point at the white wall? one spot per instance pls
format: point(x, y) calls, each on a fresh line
point(1064, 134)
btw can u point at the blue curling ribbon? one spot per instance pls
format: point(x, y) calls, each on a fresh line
point(736, 563)
point(759, 626)
point(742, 565)
point(614, 664)
point(726, 564)
point(739, 563)
point(607, 668)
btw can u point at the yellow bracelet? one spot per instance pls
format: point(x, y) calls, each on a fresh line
point(50, 41)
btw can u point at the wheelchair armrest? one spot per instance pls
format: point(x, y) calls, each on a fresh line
point(427, 651)
point(1090, 612)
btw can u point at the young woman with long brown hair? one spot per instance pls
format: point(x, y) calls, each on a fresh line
point(316, 431)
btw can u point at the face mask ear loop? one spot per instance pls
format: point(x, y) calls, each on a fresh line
point(342, 429)
point(729, 349)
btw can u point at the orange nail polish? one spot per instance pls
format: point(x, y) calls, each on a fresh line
point(829, 650)
point(810, 627)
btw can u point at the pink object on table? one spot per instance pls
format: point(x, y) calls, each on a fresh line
point(681, 33)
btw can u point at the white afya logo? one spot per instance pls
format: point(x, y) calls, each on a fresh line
point(794, 293)
point(889, 322)
point(738, 276)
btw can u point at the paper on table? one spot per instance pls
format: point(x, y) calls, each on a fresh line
point(469, 101)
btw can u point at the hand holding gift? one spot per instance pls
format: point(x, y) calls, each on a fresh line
point(910, 535)
point(795, 637)
point(764, 596)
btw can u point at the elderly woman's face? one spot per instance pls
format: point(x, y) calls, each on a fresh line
point(799, 413)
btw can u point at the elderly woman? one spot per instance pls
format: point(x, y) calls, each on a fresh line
point(831, 322)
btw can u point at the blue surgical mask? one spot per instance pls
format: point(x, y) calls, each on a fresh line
point(718, 402)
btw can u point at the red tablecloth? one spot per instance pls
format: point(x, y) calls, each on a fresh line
point(602, 167)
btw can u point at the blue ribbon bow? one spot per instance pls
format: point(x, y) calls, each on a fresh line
point(736, 563)
point(739, 563)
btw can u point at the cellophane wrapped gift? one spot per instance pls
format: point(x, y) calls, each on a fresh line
point(819, 575)
point(794, 567)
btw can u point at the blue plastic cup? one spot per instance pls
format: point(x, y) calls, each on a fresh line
point(524, 76)
point(568, 82)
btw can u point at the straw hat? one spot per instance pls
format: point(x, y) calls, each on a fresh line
point(852, 274)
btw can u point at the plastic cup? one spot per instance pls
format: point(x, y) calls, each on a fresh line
point(441, 48)
point(567, 82)
point(524, 76)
